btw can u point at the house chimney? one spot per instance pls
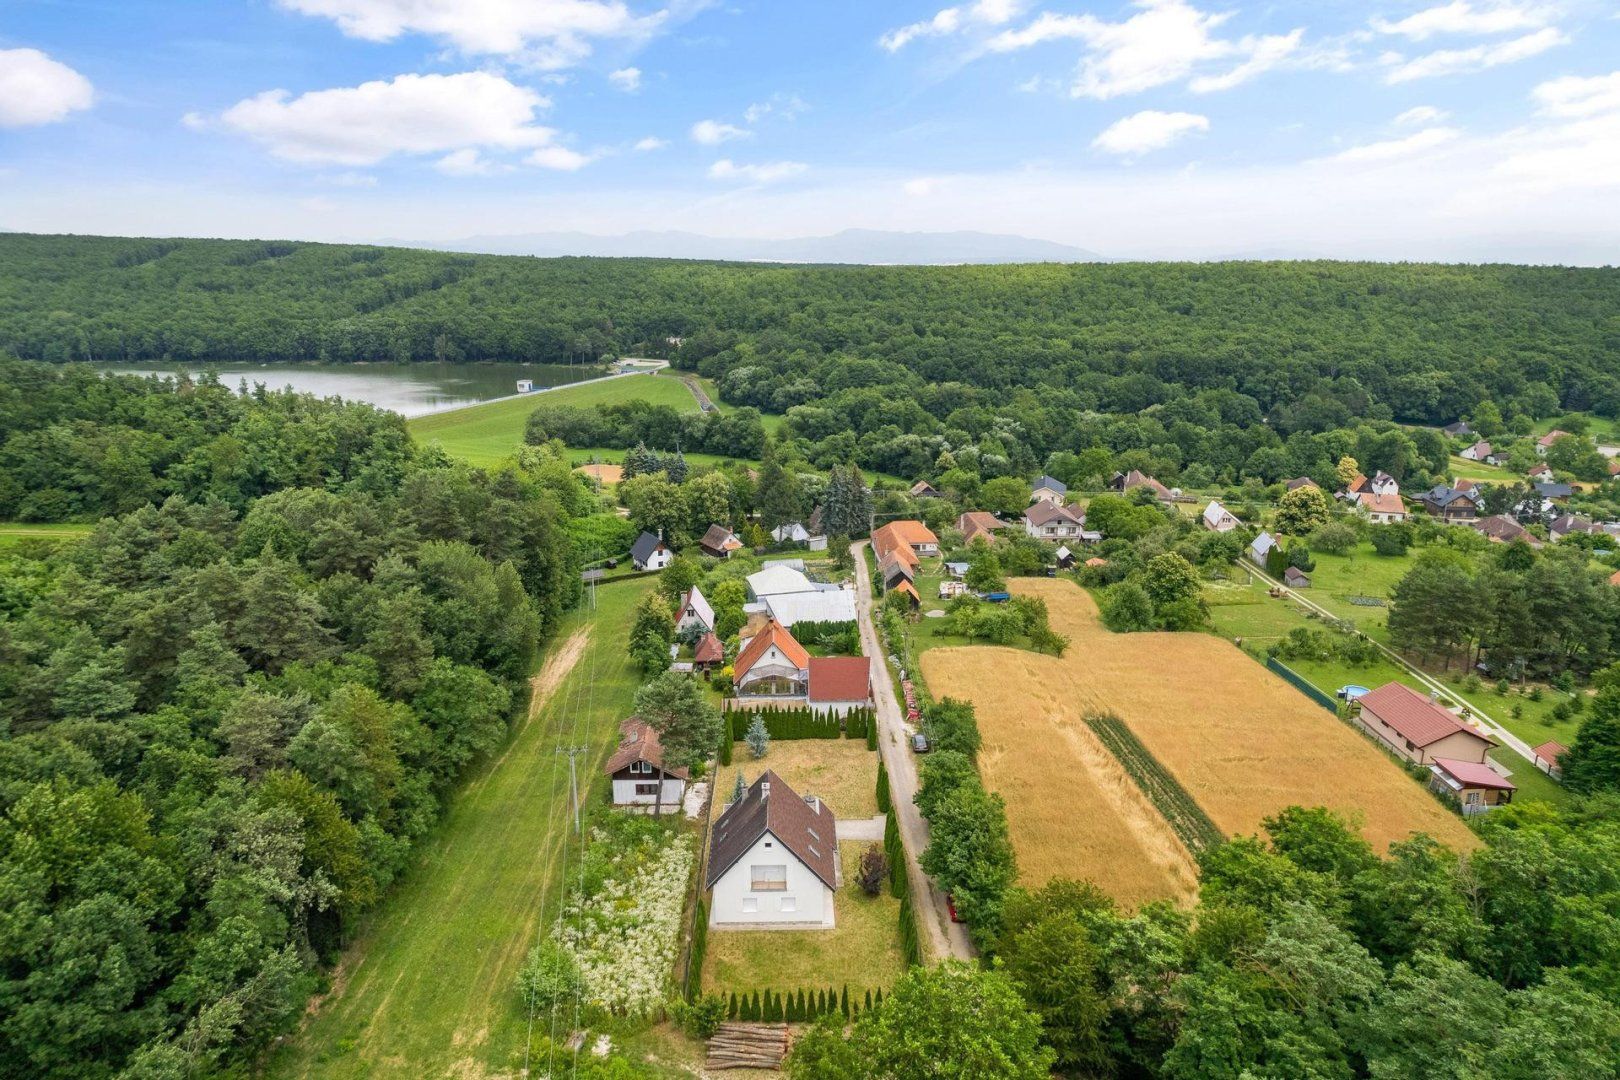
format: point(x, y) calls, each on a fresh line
point(813, 802)
point(764, 789)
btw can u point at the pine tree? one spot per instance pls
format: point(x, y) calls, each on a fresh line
point(739, 789)
point(675, 467)
point(843, 1001)
point(867, 1007)
point(637, 461)
point(758, 737)
point(731, 1012)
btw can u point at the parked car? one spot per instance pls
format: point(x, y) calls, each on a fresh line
point(919, 743)
point(950, 906)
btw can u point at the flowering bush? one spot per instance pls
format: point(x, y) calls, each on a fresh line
point(623, 927)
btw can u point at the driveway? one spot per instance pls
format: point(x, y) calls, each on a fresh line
point(862, 828)
point(945, 938)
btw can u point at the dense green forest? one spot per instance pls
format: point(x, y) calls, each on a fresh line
point(227, 714)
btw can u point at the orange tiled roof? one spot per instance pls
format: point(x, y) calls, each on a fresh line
point(773, 634)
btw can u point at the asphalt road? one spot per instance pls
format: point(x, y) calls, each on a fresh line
point(945, 938)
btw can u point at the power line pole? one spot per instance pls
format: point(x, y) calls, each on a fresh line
point(573, 752)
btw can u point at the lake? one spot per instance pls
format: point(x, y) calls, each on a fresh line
point(408, 389)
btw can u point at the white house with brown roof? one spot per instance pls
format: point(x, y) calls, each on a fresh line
point(1417, 729)
point(694, 610)
point(1478, 452)
point(1475, 785)
point(1380, 508)
point(773, 861)
point(772, 664)
point(1545, 443)
point(976, 523)
point(1046, 520)
point(637, 769)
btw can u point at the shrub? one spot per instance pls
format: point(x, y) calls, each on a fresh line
point(757, 738)
point(873, 870)
point(703, 1017)
point(548, 978)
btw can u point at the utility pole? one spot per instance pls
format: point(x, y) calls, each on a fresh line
point(573, 752)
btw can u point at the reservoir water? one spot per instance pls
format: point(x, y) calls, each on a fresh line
point(408, 389)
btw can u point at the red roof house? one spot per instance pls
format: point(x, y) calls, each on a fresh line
point(840, 683)
point(1417, 729)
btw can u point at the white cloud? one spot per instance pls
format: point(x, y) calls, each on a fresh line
point(921, 186)
point(351, 180)
point(1166, 41)
point(546, 33)
point(785, 106)
point(1397, 149)
point(1478, 58)
point(1420, 114)
point(1148, 130)
point(950, 20)
point(770, 172)
point(560, 158)
point(626, 79)
point(466, 162)
point(1463, 17)
point(715, 132)
point(409, 114)
point(651, 142)
point(1573, 95)
point(34, 89)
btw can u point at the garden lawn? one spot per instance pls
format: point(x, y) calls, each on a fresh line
point(487, 434)
point(1482, 473)
point(426, 989)
point(1361, 572)
point(842, 771)
point(862, 951)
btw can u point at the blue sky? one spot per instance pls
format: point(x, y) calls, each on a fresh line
point(1450, 129)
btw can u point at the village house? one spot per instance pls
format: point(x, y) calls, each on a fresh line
point(638, 772)
point(1501, 529)
point(719, 542)
point(1128, 481)
point(840, 684)
point(1451, 505)
point(976, 523)
point(1261, 547)
point(1295, 578)
point(772, 664)
point(1478, 452)
point(1301, 482)
point(783, 592)
point(1540, 474)
point(1476, 786)
point(1218, 518)
point(909, 534)
point(650, 553)
point(1046, 520)
point(1545, 443)
point(795, 532)
point(1065, 558)
point(896, 569)
point(1049, 489)
point(922, 489)
point(1554, 492)
point(1457, 430)
point(1383, 484)
point(773, 860)
point(1417, 729)
point(1380, 508)
point(1569, 524)
point(694, 610)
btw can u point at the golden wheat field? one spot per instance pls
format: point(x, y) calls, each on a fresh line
point(1242, 742)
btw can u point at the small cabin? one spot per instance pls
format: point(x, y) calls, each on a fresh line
point(525, 386)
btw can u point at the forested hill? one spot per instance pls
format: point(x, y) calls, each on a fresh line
point(1425, 341)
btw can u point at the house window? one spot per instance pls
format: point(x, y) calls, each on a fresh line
point(1473, 800)
point(790, 903)
point(768, 878)
point(647, 789)
point(750, 903)
point(640, 768)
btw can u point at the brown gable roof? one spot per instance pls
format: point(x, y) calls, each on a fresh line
point(1138, 478)
point(773, 634)
point(1502, 528)
point(638, 741)
point(1414, 716)
point(897, 535)
point(976, 522)
point(810, 833)
point(718, 538)
point(1299, 482)
point(1550, 751)
point(1382, 504)
point(1043, 513)
point(840, 678)
point(709, 651)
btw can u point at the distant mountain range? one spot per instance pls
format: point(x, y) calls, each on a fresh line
point(869, 246)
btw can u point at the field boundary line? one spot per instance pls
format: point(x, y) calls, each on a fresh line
point(1174, 803)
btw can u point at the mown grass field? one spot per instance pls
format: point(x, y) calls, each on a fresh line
point(1259, 620)
point(426, 990)
point(487, 434)
point(862, 951)
point(842, 771)
point(12, 533)
point(1241, 741)
point(1482, 473)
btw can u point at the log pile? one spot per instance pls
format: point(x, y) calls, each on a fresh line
point(748, 1046)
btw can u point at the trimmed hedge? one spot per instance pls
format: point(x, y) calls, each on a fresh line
point(700, 946)
point(814, 633)
point(885, 801)
point(910, 943)
point(798, 723)
point(858, 725)
point(896, 851)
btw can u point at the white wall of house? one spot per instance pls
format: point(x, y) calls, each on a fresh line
point(839, 709)
point(659, 559)
point(805, 900)
point(772, 665)
point(643, 791)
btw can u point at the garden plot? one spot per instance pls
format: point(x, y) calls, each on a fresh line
point(1241, 742)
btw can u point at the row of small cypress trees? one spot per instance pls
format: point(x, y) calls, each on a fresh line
point(804, 723)
point(774, 1006)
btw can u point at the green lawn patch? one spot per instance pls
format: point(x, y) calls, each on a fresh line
point(427, 987)
point(13, 533)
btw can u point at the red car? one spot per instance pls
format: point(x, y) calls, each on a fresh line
point(950, 906)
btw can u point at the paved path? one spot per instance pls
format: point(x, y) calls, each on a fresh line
point(1502, 734)
point(862, 828)
point(698, 393)
point(946, 939)
point(538, 391)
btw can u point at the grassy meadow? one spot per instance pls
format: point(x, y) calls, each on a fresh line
point(426, 988)
point(13, 533)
